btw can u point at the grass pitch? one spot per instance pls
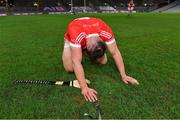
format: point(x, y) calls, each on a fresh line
point(31, 48)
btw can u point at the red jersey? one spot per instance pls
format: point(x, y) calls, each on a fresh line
point(81, 28)
point(131, 5)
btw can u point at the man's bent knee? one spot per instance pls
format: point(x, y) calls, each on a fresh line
point(70, 70)
point(102, 60)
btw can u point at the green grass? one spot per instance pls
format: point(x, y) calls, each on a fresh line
point(31, 48)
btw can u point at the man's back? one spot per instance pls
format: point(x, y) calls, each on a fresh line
point(81, 28)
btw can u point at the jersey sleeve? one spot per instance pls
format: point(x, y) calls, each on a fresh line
point(66, 37)
point(75, 36)
point(106, 34)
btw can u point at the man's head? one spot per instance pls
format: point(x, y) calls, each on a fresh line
point(95, 48)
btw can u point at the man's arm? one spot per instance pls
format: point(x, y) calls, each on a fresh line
point(89, 94)
point(117, 58)
point(77, 66)
point(113, 49)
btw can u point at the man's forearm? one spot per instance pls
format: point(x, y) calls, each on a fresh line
point(79, 72)
point(119, 63)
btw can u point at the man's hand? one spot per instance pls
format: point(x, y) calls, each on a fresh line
point(128, 79)
point(89, 94)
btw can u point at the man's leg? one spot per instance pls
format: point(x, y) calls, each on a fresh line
point(128, 11)
point(103, 60)
point(66, 57)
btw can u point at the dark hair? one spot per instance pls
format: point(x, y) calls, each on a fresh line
point(98, 51)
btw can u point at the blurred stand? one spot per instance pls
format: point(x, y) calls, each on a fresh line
point(30, 7)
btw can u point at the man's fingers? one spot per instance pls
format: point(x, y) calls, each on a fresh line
point(133, 81)
point(136, 82)
point(94, 91)
point(89, 94)
point(92, 97)
point(85, 98)
point(125, 81)
point(89, 97)
point(95, 97)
